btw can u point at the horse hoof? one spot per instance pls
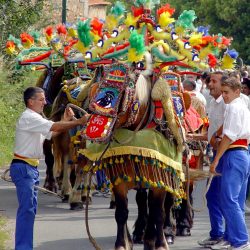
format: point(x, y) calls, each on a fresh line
point(76, 206)
point(183, 232)
point(162, 248)
point(112, 205)
point(84, 200)
point(149, 245)
point(65, 198)
point(137, 239)
point(170, 239)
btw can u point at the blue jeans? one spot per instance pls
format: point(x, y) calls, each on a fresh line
point(235, 173)
point(213, 204)
point(25, 178)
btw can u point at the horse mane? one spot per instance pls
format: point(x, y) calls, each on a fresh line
point(41, 79)
point(58, 106)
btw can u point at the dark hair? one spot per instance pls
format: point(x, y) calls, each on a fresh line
point(232, 82)
point(189, 83)
point(246, 81)
point(31, 92)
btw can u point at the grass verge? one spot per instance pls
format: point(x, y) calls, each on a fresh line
point(4, 234)
point(11, 106)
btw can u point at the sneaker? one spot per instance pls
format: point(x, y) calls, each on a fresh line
point(209, 241)
point(223, 244)
point(243, 247)
point(247, 209)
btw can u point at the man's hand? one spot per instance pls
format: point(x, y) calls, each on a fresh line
point(84, 119)
point(213, 166)
point(68, 114)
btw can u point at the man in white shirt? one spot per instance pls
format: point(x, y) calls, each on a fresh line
point(216, 118)
point(234, 157)
point(31, 131)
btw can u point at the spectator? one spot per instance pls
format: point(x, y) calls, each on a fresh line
point(235, 161)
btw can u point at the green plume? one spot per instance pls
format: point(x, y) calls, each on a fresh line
point(15, 40)
point(118, 9)
point(186, 19)
point(36, 35)
point(83, 30)
point(137, 42)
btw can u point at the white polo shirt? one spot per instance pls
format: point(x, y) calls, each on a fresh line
point(216, 115)
point(237, 121)
point(31, 131)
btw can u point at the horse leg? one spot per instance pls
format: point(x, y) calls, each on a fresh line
point(85, 180)
point(169, 223)
point(140, 224)
point(66, 185)
point(121, 217)
point(49, 182)
point(154, 237)
point(75, 199)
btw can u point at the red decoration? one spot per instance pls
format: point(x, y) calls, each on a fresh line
point(97, 126)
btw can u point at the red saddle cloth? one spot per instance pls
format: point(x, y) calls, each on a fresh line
point(192, 121)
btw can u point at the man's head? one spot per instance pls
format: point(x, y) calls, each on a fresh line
point(214, 84)
point(34, 99)
point(246, 86)
point(230, 88)
point(189, 85)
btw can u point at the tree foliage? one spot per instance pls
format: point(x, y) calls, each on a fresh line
point(229, 17)
point(18, 16)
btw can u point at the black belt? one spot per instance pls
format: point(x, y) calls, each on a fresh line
point(237, 148)
point(18, 161)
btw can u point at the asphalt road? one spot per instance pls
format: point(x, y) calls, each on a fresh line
point(58, 228)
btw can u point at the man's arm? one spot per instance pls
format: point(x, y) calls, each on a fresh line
point(224, 144)
point(63, 125)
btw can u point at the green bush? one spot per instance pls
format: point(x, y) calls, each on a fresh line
point(4, 235)
point(11, 106)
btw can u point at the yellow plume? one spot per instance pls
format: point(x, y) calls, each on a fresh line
point(227, 62)
point(165, 19)
point(195, 39)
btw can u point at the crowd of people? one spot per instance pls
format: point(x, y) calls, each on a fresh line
point(227, 103)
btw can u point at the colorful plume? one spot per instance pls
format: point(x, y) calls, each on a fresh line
point(10, 47)
point(61, 29)
point(83, 30)
point(164, 9)
point(27, 40)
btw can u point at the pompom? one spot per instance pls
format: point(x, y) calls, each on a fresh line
point(195, 39)
point(61, 29)
point(27, 40)
point(227, 62)
point(96, 25)
point(204, 52)
point(164, 9)
point(36, 35)
point(131, 20)
point(137, 11)
point(204, 30)
point(137, 42)
point(186, 19)
point(10, 47)
point(165, 20)
point(118, 9)
point(83, 30)
point(212, 60)
point(232, 53)
point(111, 23)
